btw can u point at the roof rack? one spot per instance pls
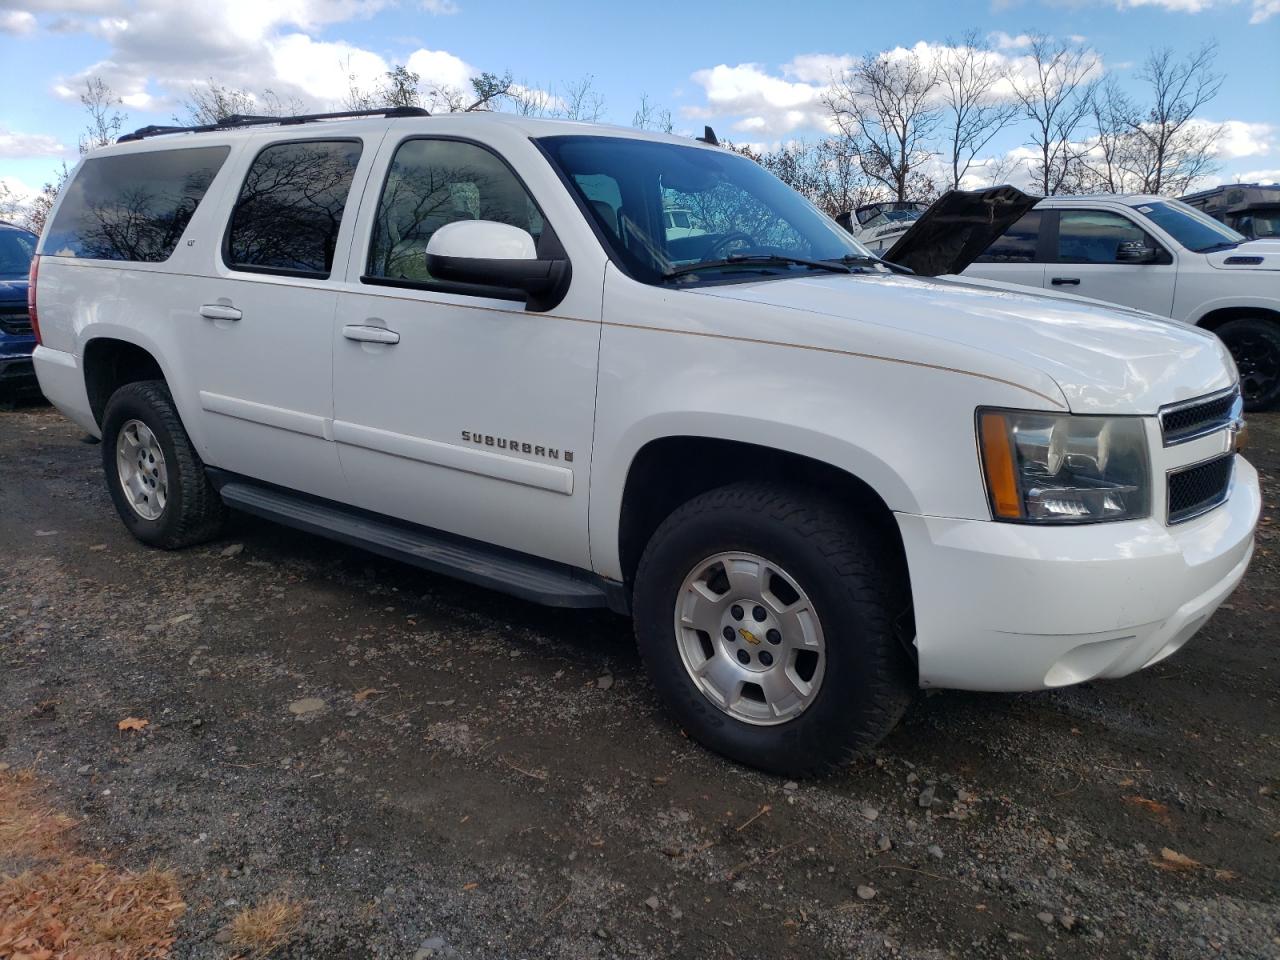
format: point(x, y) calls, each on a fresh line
point(247, 120)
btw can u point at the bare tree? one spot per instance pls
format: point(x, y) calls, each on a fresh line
point(9, 206)
point(968, 78)
point(884, 107)
point(1180, 151)
point(1055, 98)
point(105, 120)
point(582, 101)
point(212, 101)
point(649, 116)
point(531, 100)
point(401, 87)
point(825, 172)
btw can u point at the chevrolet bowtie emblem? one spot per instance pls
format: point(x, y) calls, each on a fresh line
point(748, 636)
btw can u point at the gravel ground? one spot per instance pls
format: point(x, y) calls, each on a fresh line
point(435, 770)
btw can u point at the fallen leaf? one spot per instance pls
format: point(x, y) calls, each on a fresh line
point(470, 886)
point(132, 723)
point(1173, 860)
point(1153, 807)
point(361, 696)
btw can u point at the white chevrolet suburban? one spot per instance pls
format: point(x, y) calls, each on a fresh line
point(472, 342)
point(1158, 255)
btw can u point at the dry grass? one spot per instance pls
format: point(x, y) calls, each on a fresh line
point(266, 927)
point(28, 826)
point(69, 907)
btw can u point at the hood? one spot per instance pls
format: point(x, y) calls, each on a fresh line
point(957, 228)
point(1250, 255)
point(1104, 359)
point(13, 291)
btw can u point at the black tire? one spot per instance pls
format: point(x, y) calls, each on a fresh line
point(852, 577)
point(1254, 343)
point(193, 511)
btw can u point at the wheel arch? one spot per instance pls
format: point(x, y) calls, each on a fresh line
point(671, 470)
point(1215, 318)
point(109, 363)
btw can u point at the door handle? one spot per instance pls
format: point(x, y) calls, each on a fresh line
point(1065, 281)
point(363, 333)
point(220, 311)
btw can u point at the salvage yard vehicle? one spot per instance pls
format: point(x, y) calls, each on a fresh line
point(1146, 252)
point(878, 225)
point(17, 377)
point(814, 481)
point(1251, 208)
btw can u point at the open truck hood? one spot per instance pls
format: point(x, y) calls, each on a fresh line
point(957, 228)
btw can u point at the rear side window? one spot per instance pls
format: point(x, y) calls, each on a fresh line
point(132, 206)
point(290, 207)
point(1017, 244)
point(435, 182)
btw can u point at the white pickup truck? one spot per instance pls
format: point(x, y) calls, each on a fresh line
point(1158, 255)
point(475, 343)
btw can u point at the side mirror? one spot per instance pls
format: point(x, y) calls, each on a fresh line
point(490, 254)
point(1135, 251)
point(845, 220)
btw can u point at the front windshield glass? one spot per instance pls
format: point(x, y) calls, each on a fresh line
point(1196, 231)
point(16, 249)
point(736, 220)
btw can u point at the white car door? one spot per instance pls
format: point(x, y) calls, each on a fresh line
point(260, 344)
point(1091, 248)
point(1016, 256)
point(457, 407)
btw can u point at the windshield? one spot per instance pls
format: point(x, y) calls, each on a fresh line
point(734, 216)
point(16, 249)
point(1196, 231)
point(1260, 224)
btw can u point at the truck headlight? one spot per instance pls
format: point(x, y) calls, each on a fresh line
point(1059, 468)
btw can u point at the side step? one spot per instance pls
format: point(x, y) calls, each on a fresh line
point(540, 581)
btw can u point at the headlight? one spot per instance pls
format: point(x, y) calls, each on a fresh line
point(1051, 468)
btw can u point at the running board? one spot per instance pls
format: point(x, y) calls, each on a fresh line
point(540, 581)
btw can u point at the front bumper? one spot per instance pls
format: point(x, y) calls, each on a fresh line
point(1002, 606)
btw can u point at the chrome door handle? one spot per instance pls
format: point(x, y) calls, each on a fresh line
point(220, 311)
point(363, 333)
point(1065, 281)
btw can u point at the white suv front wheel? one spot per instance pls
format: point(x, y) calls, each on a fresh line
point(765, 617)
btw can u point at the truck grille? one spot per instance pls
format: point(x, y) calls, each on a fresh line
point(14, 320)
point(1200, 487)
point(1181, 422)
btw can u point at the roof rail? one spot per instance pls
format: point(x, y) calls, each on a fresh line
point(246, 120)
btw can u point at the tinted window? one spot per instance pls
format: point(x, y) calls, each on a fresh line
point(1017, 244)
point(1190, 227)
point(287, 216)
point(1094, 236)
point(435, 182)
point(132, 206)
point(16, 250)
point(734, 208)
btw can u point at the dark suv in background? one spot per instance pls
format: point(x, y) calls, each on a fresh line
point(17, 378)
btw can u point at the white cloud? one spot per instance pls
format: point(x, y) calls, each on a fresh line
point(1240, 138)
point(763, 102)
point(440, 8)
point(21, 145)
point(16, 22)
point(1002, 41)
point(1264, 10)
point(1259, 176)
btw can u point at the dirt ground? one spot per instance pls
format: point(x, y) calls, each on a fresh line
point(433, 770)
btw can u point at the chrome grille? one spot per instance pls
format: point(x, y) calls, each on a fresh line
point(1200, 487)
point(1180, 422)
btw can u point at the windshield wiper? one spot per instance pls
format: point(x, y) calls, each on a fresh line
point(862, 259)
point(757, 260)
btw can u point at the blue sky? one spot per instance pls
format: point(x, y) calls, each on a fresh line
point(754, 70)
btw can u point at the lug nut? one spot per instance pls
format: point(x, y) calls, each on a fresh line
point(736, 612)
point(759, 614)
point(729, 634)
point(766, 658)
point(744, 657)
point(774, 637)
